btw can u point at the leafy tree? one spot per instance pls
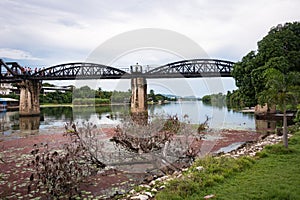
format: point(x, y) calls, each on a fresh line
point(218, 100)
point(271, 75)
point(84, 92)
point(152, 96)
point(206, 99)
point(234, 99)
point(280, 49)
point(48, 85)
point(120, 96)
point(242, 74)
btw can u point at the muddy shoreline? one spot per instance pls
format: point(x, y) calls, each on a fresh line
point(15, 155)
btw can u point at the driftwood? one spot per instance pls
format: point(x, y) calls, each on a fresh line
point(142, 144)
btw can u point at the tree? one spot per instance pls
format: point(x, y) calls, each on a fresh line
point(152, 95)
point(281, 90)
point(279, 49)
point(271, 74)
point(84, 92)
point(242, 74)
point(206, 99)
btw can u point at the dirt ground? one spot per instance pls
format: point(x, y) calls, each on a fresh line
point(15, 173)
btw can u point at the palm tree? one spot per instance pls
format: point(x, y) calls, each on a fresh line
point(281, 90)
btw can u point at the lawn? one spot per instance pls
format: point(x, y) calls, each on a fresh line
point(273, 174)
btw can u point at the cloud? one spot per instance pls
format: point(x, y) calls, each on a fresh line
point(59, 27)
point(16, 54)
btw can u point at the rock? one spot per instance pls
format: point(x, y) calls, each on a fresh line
point(176, 173)
point(145, 186)
point(199, 168)
point(184, 169)
point(158, 180)
point(154, 190)
point(179, 175)
point(164, 178)
point(148, 194)
point(252, 154)
point(152, 183)
point(209, 196)
point(162, 187)
point(132, 191)
point(140, 197)
point(143, 197)
point(135, 197)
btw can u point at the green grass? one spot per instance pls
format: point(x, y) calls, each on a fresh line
point(275, 174)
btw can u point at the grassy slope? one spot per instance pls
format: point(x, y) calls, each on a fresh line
point(275, 175)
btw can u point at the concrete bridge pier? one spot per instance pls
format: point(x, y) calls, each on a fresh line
point(29, 97)
point(139, 108)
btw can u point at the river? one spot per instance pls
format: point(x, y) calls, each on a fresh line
point(131, 166)
point(52, 119)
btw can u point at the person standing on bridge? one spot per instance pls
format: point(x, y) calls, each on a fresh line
point(22, 70)
point(26, 70)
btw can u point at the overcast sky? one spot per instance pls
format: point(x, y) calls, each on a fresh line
point(50, 32)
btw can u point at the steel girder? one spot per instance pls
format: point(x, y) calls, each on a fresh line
point(193, 68)
point(12, 72)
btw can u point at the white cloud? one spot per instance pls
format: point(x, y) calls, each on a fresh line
point(17, 54)
point(60, 31)
point(56, 27)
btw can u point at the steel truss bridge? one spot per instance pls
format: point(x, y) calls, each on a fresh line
point(195, 68)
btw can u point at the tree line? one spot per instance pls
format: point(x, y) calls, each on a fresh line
point(84, 95)
point(271, 72)
point(218, 100)
point(271, 75)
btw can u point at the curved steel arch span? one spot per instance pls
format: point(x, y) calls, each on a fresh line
point(80, 70)
point(193, 68)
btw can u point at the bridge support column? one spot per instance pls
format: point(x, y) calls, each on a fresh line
point(29, 97)
point(139, 108)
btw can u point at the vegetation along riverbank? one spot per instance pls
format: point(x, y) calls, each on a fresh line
point(261, 170)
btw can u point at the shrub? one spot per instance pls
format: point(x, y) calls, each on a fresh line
point(60, 172)
point(158, 138)
point(172, 124)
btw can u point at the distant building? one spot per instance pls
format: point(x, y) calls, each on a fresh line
point(8, 104)
point(62, 89)
point(6, 88)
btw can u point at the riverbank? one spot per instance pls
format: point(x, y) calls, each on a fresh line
point(269, 172)
point(15, 155)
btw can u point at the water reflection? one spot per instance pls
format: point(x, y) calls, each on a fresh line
point(29, 125)
point(265, 126)
point(9, 122)
point(57, 112)
point(51, 119)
